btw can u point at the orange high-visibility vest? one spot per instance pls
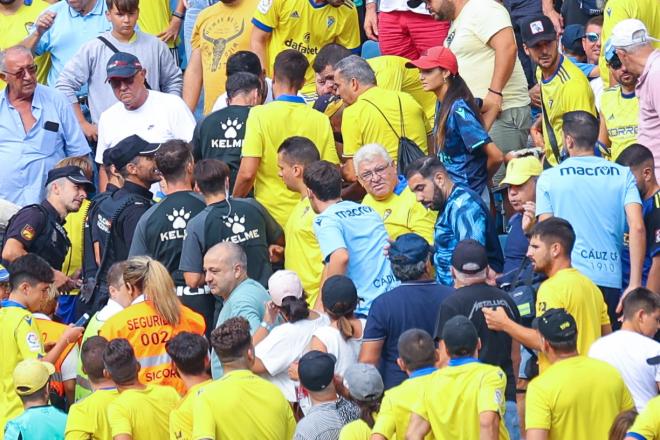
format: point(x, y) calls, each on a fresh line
point(147, 333)
point(51, 332)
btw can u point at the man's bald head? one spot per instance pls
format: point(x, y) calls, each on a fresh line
point(230, 253)
point(225, 265)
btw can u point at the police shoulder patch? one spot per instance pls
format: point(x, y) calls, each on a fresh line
point(27, 232)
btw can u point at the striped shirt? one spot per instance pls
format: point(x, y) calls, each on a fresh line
point(325, 421)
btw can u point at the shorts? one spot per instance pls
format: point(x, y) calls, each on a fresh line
point(509, 132)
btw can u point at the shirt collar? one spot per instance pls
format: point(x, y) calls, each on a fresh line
point(41, 316)
point(291, 98)
point(138, 300)
point(137, 189)
point(422, 372)
point(462, 361)
point(10, 303)
point(36, 97)
point(46, 204)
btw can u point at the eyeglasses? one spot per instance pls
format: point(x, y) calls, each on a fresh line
point(592, 37)
point(615, 62)
point(30, 70)
point(115, 83)
point(379, 171)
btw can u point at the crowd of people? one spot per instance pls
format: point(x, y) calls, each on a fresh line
point(330, 219)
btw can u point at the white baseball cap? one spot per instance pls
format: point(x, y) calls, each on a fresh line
point(630, 32)
point(284, 283)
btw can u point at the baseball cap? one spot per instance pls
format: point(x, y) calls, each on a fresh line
point(284, 283)
point(4, 274)
point(438, 56)
point(655, 360)
point(30, 375)
point(339, 294)
point(414, 3)
point(571, 39)
point(328, 104)
point(556, 325)
point(122, 65)
point(73, 173)
point(409, 248)
point(537, 29)
point(520, 169)
point(363, 382)
point(316, 370)
point(460, 335)
point(630, 32)
point(129, 148)
point(469, 257)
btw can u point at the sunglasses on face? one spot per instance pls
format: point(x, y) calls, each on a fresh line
point(615, 63)
point(593, 37)
point(115, 83)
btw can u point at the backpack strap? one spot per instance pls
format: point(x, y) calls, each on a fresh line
point(384, 117)
point(551, 132)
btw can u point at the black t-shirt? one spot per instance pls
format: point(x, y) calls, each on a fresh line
point(220, 136)
point(495, 346)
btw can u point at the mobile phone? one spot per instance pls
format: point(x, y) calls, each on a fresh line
point(82, 321)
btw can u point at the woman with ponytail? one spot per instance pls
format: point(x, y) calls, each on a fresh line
point(343, 337)
point(153, 318)
point(461, 141)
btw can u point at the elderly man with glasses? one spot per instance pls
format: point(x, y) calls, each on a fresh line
point(37, 129)
point(389, 196)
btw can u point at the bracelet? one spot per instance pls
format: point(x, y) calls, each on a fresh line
point(497, 93)
point(178, 15)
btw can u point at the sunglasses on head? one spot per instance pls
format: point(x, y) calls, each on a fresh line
point(592, 37)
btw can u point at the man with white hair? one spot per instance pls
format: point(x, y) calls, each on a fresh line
point(633, 46)
point(388, 194)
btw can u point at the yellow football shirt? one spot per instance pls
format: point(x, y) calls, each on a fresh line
point(647, 11)
point(242, 405)
point(456, 395)
point(567, 90)
point(363, 123)
point(19, 339)
point(647, 423)
point(267, 127)
point(397, 406)
point(305, 26)
point(16, 27)
point(143, 414)
point(392, 74)
point(576, 398)
point(302, 253)
point(403, 214)
point(355, 430)
point(154, 18)
point(88, 418)
point(569, 289)
point(181, 417)
point(74, 227)
point(621, 115)
point(220, 31)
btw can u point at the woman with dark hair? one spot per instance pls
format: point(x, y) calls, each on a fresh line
point(279, 346)
point(460, 139)
point(365, 388)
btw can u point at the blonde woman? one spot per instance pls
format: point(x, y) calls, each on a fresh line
point(153, 318)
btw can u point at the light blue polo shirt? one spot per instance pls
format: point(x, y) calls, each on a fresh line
point(360, 230)
point(38, 422)
point(25, 159)
point(69, 32)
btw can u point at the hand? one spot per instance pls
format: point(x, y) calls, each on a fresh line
point(619, 307)
point(72, 334)
point(371, 22)
point(492, 103)
point(535, 95)
point(270, 313)
point(275, 253)
point(61, 281)
point(556, 19)
point(45, 21)
point(48, 346)
point(91, 131)
point(529, 216)
point(293, 371)
point(495, 319)
point(172, 32)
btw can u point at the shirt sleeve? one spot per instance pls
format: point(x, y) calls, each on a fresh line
point(129, 220)
point(537, 408)
point(103, 141)
point(375, 329)
point(28, 339)
point(350, 131)
point(273, 229)
point(246, 308)
point(489, 20)
point(546, 299)
point(653, 228)
point(647, 424)
point(329, 235)
point(470, 222)
point(119, 420)
point(26, 226)
point(254, 142)
point(491, 392)
point(139, 244)
point(543, 203)
point(75, 143)
point(170, 77)
point(275, 351)
point(183, 122)
point(386, 423)
point(193, 248)
point(70, 364)
point(469, 128)
point(77, 71)
point(267, 17)
point(632, 193)
point(204, 420)
point(328, 150)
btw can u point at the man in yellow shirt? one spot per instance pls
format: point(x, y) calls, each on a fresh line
point(389, 195)
point(647, 424)
point(240, 404)
point(566, 288)
point(190, 355)
point(139, 412)
point(417, 357)
point(305, 26)
point(301, 253)
point(374, 114)
point(564, 87)
point(30, 278)
point(464, 400)
point(220, 31)
point(269, 125)
point(578, 397)
point(88, 418)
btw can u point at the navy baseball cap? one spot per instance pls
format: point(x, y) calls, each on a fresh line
point(339, 295)
point(460, 335)
point(316, 370)
point(409, 248)
point(128, 149)
point(122, 65)
point(556, 325)
point(537, 29)
point(73, 173)
point(571, 39)
point(412, 4)
point(469, 257)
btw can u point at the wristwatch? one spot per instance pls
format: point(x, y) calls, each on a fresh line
point(267, 326)
point(178, 15)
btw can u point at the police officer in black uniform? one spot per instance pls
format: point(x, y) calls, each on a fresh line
point(38, 228)
point(114, 221)
point(161, 229)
